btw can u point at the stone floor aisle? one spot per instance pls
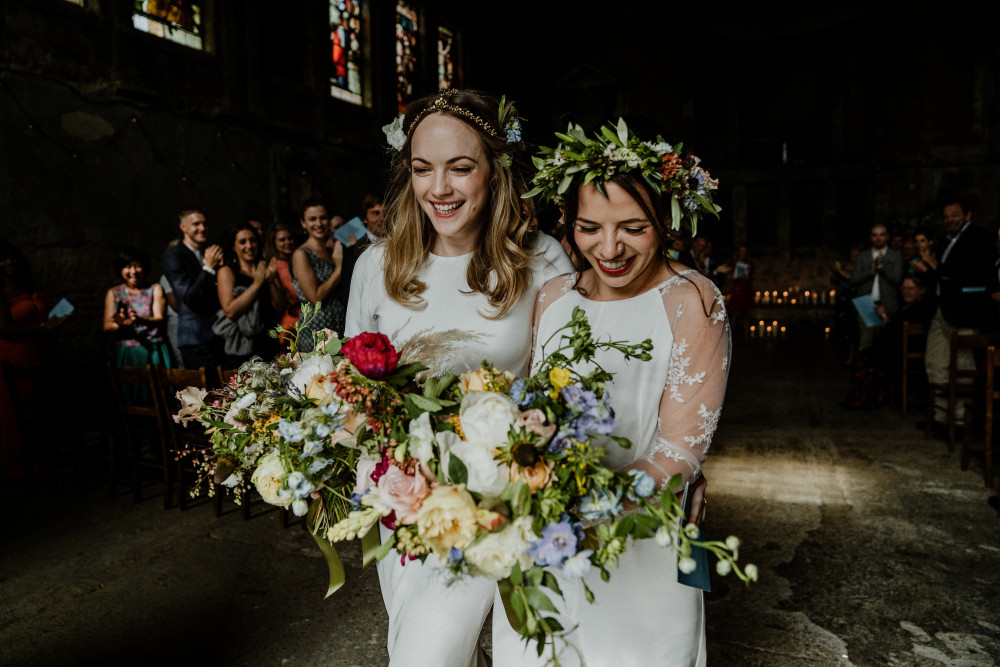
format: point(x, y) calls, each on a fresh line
point(873, 548)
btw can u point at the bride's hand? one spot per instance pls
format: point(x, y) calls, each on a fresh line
point(698, 501)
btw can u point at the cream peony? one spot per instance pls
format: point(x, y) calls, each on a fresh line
point(363, 470)
point(494, 555)
point(421, 438)
point(486, 417)
point(319, 364)
point(267, 479)
point(487, 476)
point(447, 519)
point(320, 390)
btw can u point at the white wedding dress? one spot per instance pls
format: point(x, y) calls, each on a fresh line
point(668, 407)
point(431, 624)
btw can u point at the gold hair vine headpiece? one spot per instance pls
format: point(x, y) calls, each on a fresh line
point(442, 104)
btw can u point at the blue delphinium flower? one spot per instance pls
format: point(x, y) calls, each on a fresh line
point(291, 431)
point(559, 541)
point(600, 504)
point(455, 556)
point(513, 131)
point(321, 430)
point(318, 464)
point(643, 484)
point(300, 484)
point(520, 394)
point(311, 448)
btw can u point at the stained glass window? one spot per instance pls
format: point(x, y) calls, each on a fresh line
point(176, 20)
point(347, 60)
point(406, 52)
point(446, 58)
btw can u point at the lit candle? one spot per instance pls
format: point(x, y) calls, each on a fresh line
point(756, 297)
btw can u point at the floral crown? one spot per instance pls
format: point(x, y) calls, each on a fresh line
point(396, 136)
point(616, 150)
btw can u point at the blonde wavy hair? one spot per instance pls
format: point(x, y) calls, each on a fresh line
point(499, 264)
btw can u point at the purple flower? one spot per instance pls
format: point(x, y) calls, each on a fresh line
point(598, 419)
point(455, 555)
point(578, 400)
point(559, 541)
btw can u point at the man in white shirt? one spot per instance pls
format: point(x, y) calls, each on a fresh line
point(878, 272)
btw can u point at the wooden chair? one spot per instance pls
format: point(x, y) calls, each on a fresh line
point(225, 374)
point(169, 381)
point(961, 381)
point(988, 411)
point(914, 342)
point(143, 428)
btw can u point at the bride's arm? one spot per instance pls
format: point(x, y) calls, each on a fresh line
point(696, 383)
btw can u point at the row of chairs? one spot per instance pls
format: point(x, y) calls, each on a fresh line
point(970, 391)
point(153, 440)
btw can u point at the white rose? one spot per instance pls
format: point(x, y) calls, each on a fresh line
point(486, 475)
point(422, 438)
point(320, 364)
point(494, 555)
point(267, 479)
point(486, 417)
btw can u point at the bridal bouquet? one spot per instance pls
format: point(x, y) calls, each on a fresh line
point(487, 474)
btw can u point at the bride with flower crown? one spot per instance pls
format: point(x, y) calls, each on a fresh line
point(622, 212)
point(456, 281)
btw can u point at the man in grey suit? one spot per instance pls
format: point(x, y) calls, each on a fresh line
point(879, 272)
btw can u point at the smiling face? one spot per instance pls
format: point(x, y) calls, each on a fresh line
point(955, 217)
point(245, 246)
point(195, 229)
point(922, 242)
point(618, 240)
point(373, 220)
point(450, 175)
point(284, 243)
point(316, 222)
point(132, 275)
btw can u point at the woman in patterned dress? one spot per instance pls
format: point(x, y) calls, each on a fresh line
point(134, 312)
point(316, 272)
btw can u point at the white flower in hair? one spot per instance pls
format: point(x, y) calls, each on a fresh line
point(394, 133)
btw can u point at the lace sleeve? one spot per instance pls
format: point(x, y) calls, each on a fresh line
point(550, 292)
point(696, 379)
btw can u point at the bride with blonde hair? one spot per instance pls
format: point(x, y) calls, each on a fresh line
point(457, 277)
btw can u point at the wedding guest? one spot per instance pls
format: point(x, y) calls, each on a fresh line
point(965, 282)
point(877, 272)
point(251, 296)
point(190, 267)
point(24, 323)
point(460, 271)
point(134, 311)
point(668, 406)
point(875, 368)
point(925, 262)
point(372, 219)
point(317, 267)
point(280, 245)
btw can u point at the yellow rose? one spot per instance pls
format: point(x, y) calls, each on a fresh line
point(447, 519)
point(559, 377)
